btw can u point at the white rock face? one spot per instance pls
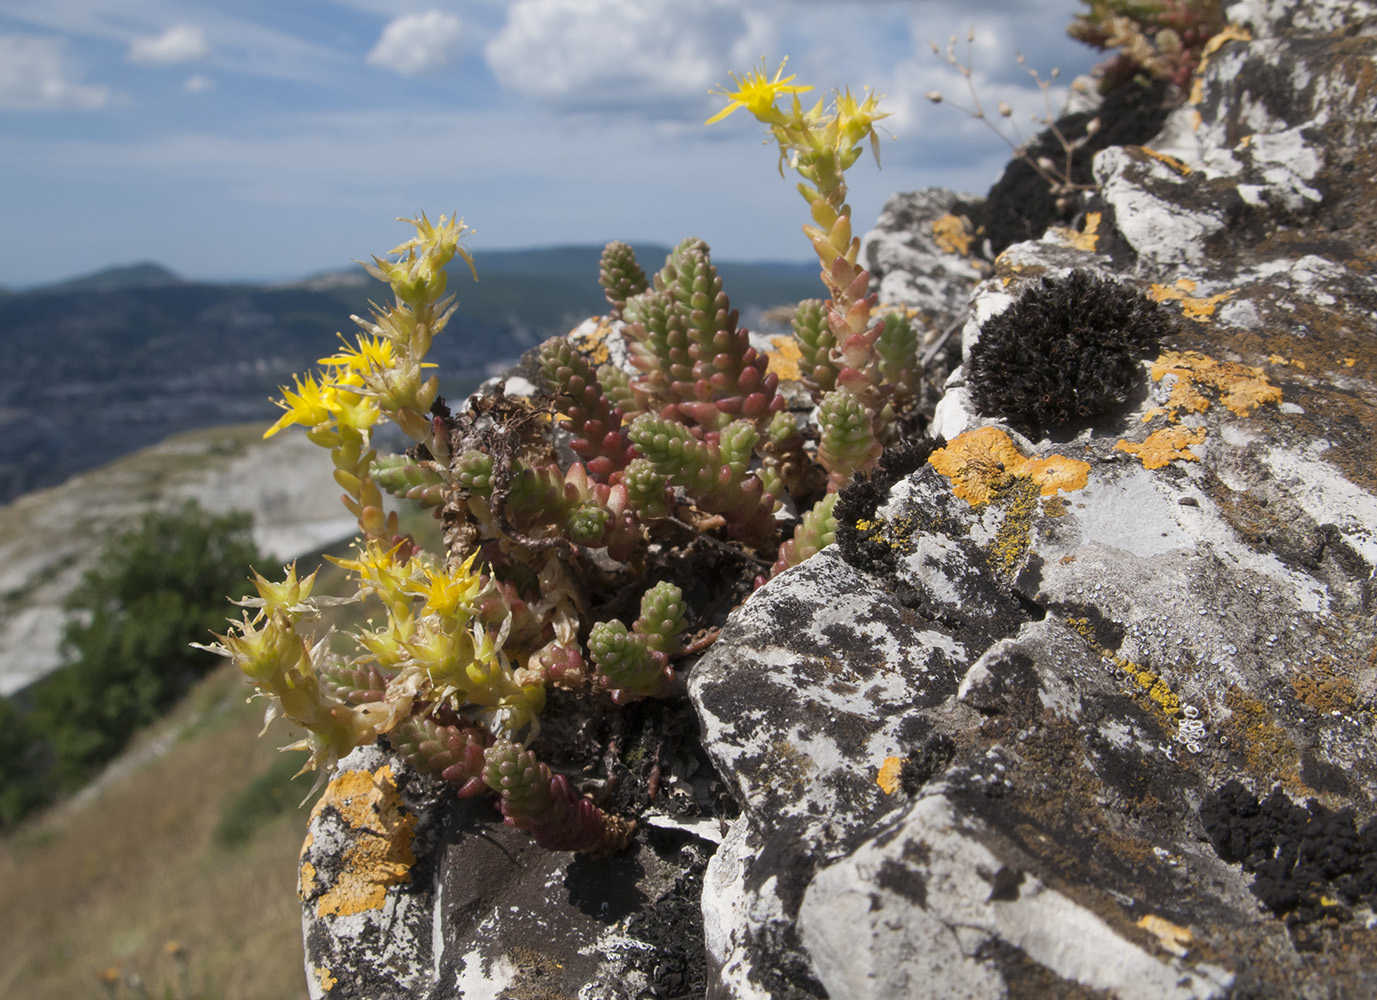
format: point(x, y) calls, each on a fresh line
point(1158, 616)
point(49, 538)
point(953, 904)
point(1111, 738)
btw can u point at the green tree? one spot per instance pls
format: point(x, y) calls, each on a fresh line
point(127, 646)
point(24, 759)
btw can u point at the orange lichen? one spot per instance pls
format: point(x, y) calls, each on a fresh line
point(1230, 33)
point(324, 978)
point(306, 879)
point(1172, 937)
point(1198, 309)
point(952, 234)
point(1277, 359)
point(890, 773)
point(1088, 238)
point(1165, 446)
point(1055, 472)
point(977, 461)
point(784, 357)
point(1324, 690)
point(593, 344)
point(1241, 389)
point(1268, 750)
point(379, 854)
point(974, 461)
point(1170, 161)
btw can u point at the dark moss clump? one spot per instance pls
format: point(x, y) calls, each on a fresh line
point(1065, 352)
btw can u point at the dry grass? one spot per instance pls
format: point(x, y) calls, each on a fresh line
point(108, 880)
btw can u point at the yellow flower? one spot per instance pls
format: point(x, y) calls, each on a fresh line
point(289, 596)
point(380, 572)
point(756, 93)
point(438, 241)
point(857, 121)
point(309, 406)
point(354, 410)
point(372, 354)
point(445, 594)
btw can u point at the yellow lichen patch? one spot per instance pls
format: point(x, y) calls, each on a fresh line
point(1241, 389)
point(1170, 161)
point(1172, 937)
point(978, 460)
point(1165, 446)
point(1156, 688)
point(1054, 507)
point(593, 344)
point(891, 771)
point(1087, 239)
point(1017, 497)
point(953, 234)
point(1350, 362)
point(324, 978)
point(1151, 683)
point(1198, 309)
point(380, 852)
point(784, 357)
point(1277, 359)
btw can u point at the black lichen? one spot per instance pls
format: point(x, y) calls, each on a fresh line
point(1021, 205)
point(861, 498)
point(1307, 862)
point(1067, 351)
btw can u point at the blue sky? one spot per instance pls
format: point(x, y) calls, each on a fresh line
point(272, 139)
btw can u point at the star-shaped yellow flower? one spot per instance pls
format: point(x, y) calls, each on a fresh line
point(756, 93)
point(309, 406)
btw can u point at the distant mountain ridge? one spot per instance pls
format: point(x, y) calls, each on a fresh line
point(575, 260)
point(109, 362)
point(145, 274)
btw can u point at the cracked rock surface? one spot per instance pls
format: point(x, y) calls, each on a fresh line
point(1082, 711)
point(1054, 690)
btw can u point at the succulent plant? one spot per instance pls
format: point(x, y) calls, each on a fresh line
point(689, 447)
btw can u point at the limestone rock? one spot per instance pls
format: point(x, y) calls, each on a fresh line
point(920, 255)
point(1102, 677)
point(1074, 712)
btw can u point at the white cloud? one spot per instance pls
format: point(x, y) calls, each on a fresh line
point(418, 43)
point(624, 53)
point(179, 43)
point(34, 77)
point(198, 84)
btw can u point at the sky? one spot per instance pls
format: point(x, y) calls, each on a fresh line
point(269, 140)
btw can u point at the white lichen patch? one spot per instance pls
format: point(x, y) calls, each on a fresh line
point(933, 877)
point(1327, 495)
point(734, 914)
point(1159, 230)
point(1131, 511)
